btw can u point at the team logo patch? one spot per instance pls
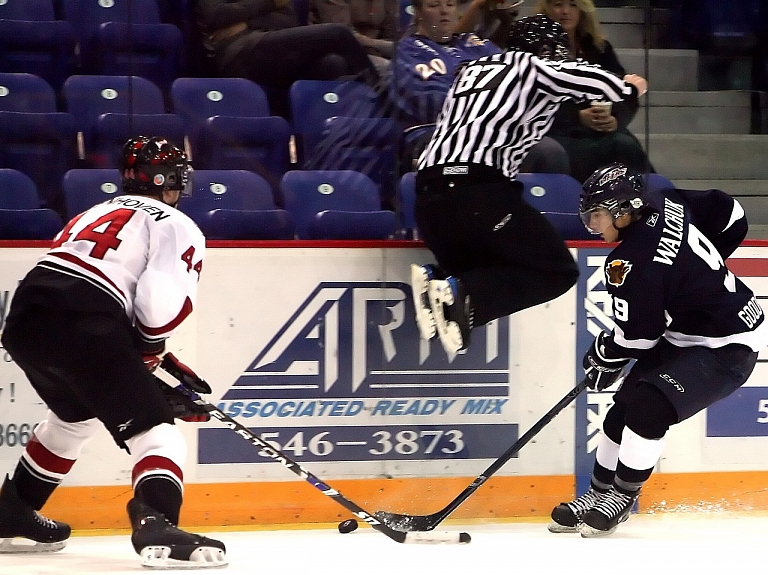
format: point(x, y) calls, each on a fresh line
point(612, 175)
point(158, 180)
point(616, 271)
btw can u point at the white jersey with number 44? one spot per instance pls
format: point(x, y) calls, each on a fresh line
point(141, 251)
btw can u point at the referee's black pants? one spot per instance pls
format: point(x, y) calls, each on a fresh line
point(506, 253)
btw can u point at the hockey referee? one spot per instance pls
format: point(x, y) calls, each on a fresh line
point(496, 254)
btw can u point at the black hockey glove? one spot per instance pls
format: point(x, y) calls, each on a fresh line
point(183, 407)
point(600, 370)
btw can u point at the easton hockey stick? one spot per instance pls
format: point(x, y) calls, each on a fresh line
point(415, 523)
point(277, 455)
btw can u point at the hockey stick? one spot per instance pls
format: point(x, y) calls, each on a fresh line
point(411, 523)
point(269, 451)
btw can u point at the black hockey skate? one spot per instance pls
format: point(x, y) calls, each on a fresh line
point(162, 545)
point(23, 529)
point(567, 516)
point(421, 275)
point(605, 516)
point(452, 311)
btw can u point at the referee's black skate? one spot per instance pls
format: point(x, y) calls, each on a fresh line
point(421, 275)
point(162, 545)
point(607, 514)
point(23, 529)
point(567, 516)
point(452, 310)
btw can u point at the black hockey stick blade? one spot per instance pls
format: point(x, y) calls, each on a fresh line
point(277, 455)
point(415, 523)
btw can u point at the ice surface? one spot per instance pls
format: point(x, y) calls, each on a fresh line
point(675, 544)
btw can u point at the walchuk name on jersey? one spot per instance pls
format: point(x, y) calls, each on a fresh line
point(672, 234)
point(137, 204)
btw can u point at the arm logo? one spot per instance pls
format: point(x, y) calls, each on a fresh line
point(616, 271)
point(360, 340)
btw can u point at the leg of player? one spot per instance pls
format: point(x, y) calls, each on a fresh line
point(567, 516)
point(637, 457)
point(49, 455)
point(421, 275)
point(452, 312)
point(158, 455)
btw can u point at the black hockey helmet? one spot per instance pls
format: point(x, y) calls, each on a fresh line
point(541, 36)
point(149, 165)
point(616, 188)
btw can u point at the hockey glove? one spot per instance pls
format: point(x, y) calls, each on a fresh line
point(600, 370)
point(183, 407)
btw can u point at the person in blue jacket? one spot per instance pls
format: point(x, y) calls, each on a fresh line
point(425, 66)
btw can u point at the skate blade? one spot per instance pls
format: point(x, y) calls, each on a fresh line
point(419, 287)
point(440, 295)
point(557, 528)
point(588, 532)
point(22, 545)
point(159, 557)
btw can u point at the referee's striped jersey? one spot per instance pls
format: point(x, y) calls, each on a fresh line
point(501, 105)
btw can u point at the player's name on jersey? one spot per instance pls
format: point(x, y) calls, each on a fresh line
point(136, 203)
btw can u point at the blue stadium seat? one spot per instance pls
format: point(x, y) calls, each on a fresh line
point(113, 130)
point(406, 195)
point(557, 197)
point(84, 189)
point(230, 128)
point(17, 191)
point(657, 182)
point(21, 92)
point(33, 41)
point(43, 146)
point(87, 97)
point(336, 204)
point(235, 204)
point(125, 37)
point(21, 217)
point(312, 102)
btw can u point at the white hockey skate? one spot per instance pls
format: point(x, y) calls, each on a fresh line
point(452, 313)
point(420, 278)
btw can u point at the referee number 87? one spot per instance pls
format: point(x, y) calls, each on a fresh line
point(479, 77)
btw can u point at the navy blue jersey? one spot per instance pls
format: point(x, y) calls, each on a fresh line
point(668, 278)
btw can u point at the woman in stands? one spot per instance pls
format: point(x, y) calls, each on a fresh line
point(592, 136)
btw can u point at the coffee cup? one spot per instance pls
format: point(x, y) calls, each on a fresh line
point(603, 105)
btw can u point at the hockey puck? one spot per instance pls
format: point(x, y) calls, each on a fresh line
point(347, 526)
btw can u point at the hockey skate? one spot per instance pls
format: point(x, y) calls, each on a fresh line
point(24, 530)
point(452, 313)
point(420, 278)
point(162, 545)
point(605, 516)
point(567, 516)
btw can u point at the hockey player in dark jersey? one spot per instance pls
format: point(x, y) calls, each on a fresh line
point(87, 326)
point(693, 328)
point(496, 254)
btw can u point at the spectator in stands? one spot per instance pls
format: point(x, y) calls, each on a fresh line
point(424, 70)
point(261, 40)
point(375, 24)
point(592, 136)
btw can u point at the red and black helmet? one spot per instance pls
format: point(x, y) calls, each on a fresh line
point(150, 165)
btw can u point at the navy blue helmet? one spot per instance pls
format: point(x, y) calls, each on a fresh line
point(541, 36)
point(616, 188)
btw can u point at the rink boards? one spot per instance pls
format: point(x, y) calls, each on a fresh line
point(313, 347)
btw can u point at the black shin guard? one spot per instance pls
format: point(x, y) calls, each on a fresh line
point(160, 494)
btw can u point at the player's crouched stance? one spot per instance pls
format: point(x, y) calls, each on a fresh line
point(695, 340)
point(87, 326)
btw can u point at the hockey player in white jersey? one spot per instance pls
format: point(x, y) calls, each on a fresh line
point(87, 325)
